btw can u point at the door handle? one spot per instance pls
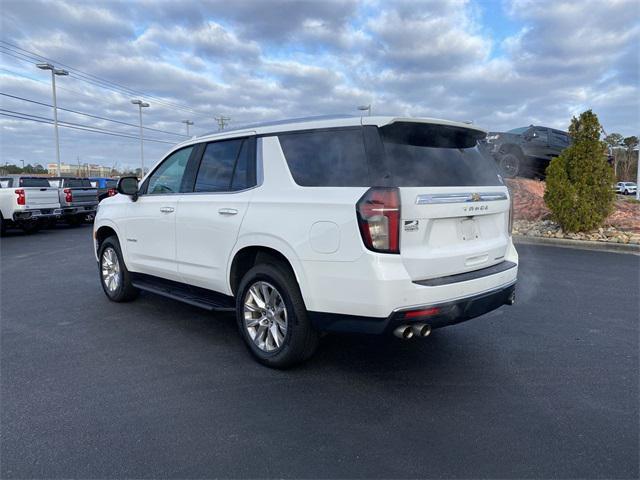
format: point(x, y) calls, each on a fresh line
point(167, 209)
point(227, 211)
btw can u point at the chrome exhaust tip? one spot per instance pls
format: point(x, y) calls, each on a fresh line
point(403, 331)
point(512, 298)
point(421, 329)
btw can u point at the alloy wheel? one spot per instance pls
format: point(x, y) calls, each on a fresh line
point(265, 316)
point(110, 269)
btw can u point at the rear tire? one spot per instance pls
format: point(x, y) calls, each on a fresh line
point(75, 220)
point(114, 276)
point(510, 164)
point(3, 226)
point(31, 226)
point(277, 331)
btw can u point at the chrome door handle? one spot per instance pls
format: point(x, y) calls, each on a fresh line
point(227, 211)
point(167, 209)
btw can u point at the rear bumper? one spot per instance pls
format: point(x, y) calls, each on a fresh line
point(75, 210)
point(33, 214)
point(448, 313)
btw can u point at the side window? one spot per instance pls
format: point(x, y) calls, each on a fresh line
point(227, 166)
point(327, 158)
point(167, 178)
point(5, 182)
point(244, 175)
point(560, 139)
point(542, 134)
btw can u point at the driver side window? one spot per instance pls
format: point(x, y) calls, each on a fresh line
point(167, 178)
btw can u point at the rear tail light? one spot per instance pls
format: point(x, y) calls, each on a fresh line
point(68, 196)
point(379, 219)
point(21, 198)
point(111, 192)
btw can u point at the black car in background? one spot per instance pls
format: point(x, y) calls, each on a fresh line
point(526, 151)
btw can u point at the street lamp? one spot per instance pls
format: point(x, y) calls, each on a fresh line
point(187, 123)
point(365, 108)
point(141, 105)
point(54, 71)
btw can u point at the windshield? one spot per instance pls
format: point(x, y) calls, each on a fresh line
point(34, 182)
point(518, 130)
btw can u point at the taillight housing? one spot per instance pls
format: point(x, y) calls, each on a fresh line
point(378, 214)
point(68, 196)
point(111, 192)
point(21, 197)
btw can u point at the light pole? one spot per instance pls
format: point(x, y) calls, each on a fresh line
point(141, 105)
point(187, 123)
point(54, 71)
point(22, 165)
point(365, 108)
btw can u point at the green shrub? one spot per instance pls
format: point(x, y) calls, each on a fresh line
point(579, 189)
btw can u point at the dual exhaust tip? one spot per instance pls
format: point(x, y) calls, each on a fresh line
point(409, 331)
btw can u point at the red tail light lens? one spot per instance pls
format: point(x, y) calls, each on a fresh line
point(68, 196)
point(111, 192)
point(21, 198)
point(379, 219)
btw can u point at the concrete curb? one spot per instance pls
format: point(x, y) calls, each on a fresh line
point(579, 244)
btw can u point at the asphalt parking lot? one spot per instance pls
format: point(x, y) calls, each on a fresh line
point(155, 388)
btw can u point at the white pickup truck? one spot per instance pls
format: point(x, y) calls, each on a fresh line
point(25, 201)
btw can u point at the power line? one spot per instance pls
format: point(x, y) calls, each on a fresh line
point(85, 94)
point(75, 126)
point(95, 80)
point(90, 115)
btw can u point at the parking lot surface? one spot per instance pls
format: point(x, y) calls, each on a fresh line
point(155, 388)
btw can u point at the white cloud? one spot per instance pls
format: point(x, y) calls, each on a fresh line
point(280, 58)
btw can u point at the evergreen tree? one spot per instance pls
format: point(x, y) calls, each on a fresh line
point(579, 189)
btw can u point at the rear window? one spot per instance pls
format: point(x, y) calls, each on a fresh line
point(111, 184)
point(77, 182)
point(327, 158)
point(427, 155)
point(34, 182)
point(5, 182)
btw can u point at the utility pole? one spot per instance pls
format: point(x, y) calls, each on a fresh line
point(54, 71)
point(187, 123)
point(222, 122)
point(141, 105)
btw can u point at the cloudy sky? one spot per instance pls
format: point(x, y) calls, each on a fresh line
point(502, 64)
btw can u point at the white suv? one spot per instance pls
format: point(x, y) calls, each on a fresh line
point(349, 224)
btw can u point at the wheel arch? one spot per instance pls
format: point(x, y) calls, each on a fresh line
point(248, 254)
point(511, 148)
point(104, 231)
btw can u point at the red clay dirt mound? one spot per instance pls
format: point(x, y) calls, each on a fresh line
point(529, 205)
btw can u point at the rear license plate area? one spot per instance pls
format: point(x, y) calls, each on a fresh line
point(469, 229)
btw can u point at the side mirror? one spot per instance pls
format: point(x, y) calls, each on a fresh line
point(128, 186)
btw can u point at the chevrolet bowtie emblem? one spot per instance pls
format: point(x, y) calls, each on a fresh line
point(475, 197)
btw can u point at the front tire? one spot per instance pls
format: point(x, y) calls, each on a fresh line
point(114, 276)
point(272, 317)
